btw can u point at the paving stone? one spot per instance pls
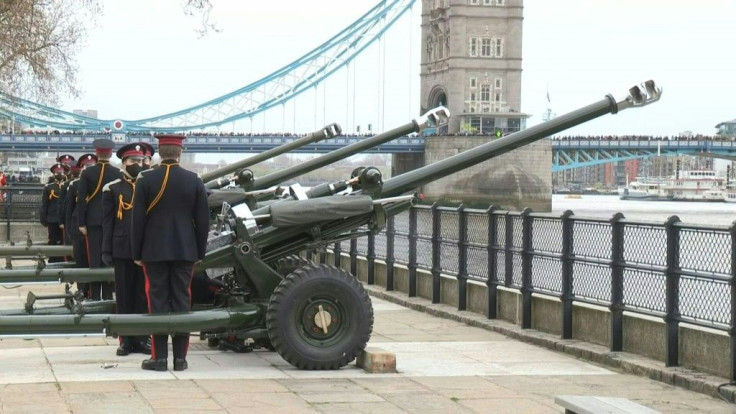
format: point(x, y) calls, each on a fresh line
point(241, 386)
point(326, 385)
point(50, 408)
point(339, 397)
point(388, 386)
point(68, 388)
point(510, 405)
point(426, 403)
point(359, 408)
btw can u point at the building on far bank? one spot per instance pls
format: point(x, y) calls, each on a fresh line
point(727, 128)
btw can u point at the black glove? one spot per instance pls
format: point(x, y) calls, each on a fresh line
point(107, 259)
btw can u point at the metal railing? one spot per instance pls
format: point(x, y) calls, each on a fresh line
point(672, 270)
point(20, 203)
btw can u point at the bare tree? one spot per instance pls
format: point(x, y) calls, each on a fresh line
point(38, 44)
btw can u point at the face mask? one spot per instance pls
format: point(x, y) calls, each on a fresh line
point(133, 170)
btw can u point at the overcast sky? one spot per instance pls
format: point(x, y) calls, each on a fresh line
point(145, 59)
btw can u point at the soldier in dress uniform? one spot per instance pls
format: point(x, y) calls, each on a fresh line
point(79, 247)
point(150, 151)
point(50, 206)
point(67, 160)
point(89, 210)
point(169, 234)
point(117, 204)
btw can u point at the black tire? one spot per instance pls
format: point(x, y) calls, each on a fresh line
point(289, 264)
point(293, 318)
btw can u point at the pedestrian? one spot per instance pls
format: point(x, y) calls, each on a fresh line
point(89, 210)
point(50, 200)
point(117, 204)
point(79, 245)
point(169, 234)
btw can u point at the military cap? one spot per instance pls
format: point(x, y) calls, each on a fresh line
point(135, 149)
point(65, 159)
point(86, 159)
point(170, 139)
point(59, 167)
point(103, 146)
point(149, 149)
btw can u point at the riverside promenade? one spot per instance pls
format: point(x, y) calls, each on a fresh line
point(443, 366)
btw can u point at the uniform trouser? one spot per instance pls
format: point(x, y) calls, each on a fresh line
point(54, 239)
point(168, 287)
point(130, 292)
point(79, 249)
point(94, 256)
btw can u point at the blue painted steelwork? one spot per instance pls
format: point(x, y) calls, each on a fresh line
point(569, 154)
point(225, 143)
point(275, 89)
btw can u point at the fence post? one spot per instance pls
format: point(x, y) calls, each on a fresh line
point(354, 255)
point(436, 252)
point(371, 256)
point(462, 258)
point(509, 268)
point(617, 282)
point(412, 252)
point(566, 294)
point(492, 281)
point(732, 332)
point(672, 290)
point(337, 252)
point(526, 269)
point(390, 234)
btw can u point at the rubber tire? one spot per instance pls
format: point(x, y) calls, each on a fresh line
point(284, 324)
point(289, 264)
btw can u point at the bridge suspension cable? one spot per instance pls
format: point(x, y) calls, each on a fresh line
point(279, 87)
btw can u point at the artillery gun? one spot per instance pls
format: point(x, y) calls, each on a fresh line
point(315, 316)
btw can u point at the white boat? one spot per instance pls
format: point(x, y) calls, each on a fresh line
point(731, 192)
point(695, 186)
point(644, 189)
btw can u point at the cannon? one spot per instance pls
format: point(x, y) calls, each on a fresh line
point(315, 316)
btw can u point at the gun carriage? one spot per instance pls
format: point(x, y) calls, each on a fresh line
point(316, 316)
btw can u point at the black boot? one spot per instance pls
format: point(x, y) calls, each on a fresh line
point(155, 364)
point(125, 347)
point(141, 345)
point(180, 364)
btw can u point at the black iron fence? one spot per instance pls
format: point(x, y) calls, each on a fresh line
point(20, 204)
point(674, 271)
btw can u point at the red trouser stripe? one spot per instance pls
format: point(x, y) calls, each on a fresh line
point(86, 245)
point(148, 300)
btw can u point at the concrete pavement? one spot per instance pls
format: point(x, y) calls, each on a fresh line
point(444, 366)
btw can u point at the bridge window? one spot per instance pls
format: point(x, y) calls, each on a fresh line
point(485, 49)
point(473, 97)
point(497, 83)
point(486, 2)
point(485, 92)
point(473, 83)
point(474, 2)
point(497, 97)
point(473, 47)
point(499, 2)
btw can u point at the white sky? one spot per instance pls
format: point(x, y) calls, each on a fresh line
point(145, 59)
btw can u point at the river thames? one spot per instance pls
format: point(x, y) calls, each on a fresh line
point(605, 206)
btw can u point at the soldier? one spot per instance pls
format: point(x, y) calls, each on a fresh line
point(117, 204)
point(169, 234)
point(89, 210)
point(150, 151)
point(50, 206)
point(67, 160)
point(79, 247)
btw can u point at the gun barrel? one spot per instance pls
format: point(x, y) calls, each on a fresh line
point(23, 276)
point(328, 131)
point(417, 125)
point(411, 180)
point(35, 250)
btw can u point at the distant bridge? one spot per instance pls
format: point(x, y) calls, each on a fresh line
point(569, 154)
point(566, 154)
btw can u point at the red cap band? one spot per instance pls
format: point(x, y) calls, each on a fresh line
point(134, 153)
point(170, 139)
point(103, 151)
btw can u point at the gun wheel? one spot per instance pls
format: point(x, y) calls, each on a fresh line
point(289, 264)
point(319, 317)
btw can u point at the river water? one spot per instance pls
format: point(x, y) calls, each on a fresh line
point(605, 206)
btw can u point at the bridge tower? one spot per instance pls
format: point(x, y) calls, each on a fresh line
point(471, 63)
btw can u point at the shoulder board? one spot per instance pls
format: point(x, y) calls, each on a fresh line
point(140, 174)
point(73, 181)
point(107, 186)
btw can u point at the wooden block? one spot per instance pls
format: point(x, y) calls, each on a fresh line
point(377, 361)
